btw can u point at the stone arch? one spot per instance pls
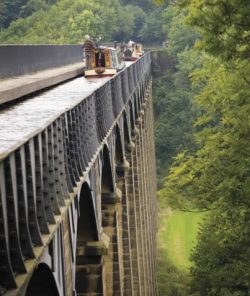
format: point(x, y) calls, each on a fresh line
point(140, 96)
point(132, 117)
point(118, 146)
point(110, 199)
point(42, 282)
point(87, 263)
point(136, 107)
point(119, 153)
point(142, 90)
point(87, 226)
point(126, 129)
point(107, 182)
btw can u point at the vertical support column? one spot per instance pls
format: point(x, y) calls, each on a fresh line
point(120, 242)
point(152, 180)
point(132, 218)
point(110, 204)
point(67, 256)
point(127, 225)
point(139, 205)
point(142, 202)
point(148, 179)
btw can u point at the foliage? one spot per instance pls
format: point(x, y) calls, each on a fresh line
point(131, 20)
point(145, 4)
point(12, 10)
point(174, 111)
point(216, 176)
point(170, 280)
point(171, 120)
point(217, 172)
point(224, 25)
point(9, 10)
point(180, 37)
point(222, 255)
point(66, 22)
point(35, 5)
point(173, 91)
point(152, 27)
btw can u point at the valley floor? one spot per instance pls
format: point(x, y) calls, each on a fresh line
point(177, 232)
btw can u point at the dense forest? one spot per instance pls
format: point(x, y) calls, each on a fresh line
point(202, 107)
point(66, 21)
point(211, 173)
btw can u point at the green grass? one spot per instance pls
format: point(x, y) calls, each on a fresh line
point(177, 236)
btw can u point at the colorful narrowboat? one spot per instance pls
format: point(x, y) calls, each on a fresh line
point(106, 61)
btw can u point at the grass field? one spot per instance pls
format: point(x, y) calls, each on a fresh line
point(177, 236)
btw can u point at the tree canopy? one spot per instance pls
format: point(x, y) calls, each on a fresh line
point(215, 175)
point(12, 10)
point(66, 22)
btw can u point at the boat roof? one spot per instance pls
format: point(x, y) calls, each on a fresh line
point(108, 47)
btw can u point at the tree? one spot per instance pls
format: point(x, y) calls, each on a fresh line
point(67, 22)
point(32, 6)
point(9, 11)
point(222, 256)
point(180, 37)
point(151, 32)
point(173, 92)
point(224, 25)
point(215, 177)
point(144, 4)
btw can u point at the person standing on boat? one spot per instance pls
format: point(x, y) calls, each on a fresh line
point(88, 49)
point(123, 47)
point(98, 41)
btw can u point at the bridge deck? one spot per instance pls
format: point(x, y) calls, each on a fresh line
point(16, 87)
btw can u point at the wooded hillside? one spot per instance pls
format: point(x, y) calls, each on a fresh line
point(66, 21)
point(213, 174)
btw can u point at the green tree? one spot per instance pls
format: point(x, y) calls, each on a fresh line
point(215, 177)
point(222, 256)
point(224, 26)
point(173, 92)
point(144, 4)
point(67, 22)
point(152, 31)
point(180, 37)
point(34, 5)
point(140, 17)
point(9, 11)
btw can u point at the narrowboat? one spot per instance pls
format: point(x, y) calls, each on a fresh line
point(133, 52)
point(106, 61)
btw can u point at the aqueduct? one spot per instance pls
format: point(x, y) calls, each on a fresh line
point(78, 194)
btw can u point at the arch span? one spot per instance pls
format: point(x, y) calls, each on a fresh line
point(86, 225)
point(126, 129)
point(107, 176)
point(119, 154)
point(42, 282)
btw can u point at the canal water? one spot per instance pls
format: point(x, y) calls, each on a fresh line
point(26, 118)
